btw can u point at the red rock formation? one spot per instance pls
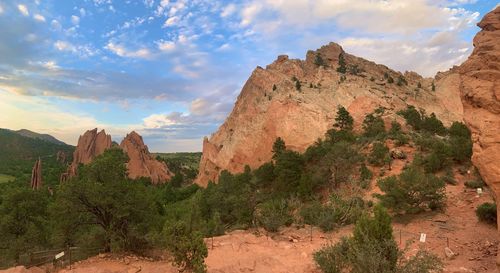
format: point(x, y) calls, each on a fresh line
point(61, 157)
point(90, 145)
point(270, 106)
point(36, 175)
point(480, 91)
point(142, 163)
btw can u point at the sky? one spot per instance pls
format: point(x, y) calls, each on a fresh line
point(171, 70)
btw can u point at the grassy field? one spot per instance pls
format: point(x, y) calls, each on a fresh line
point(6, 178)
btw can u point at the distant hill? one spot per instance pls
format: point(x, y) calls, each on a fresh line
point(18, 153)
point(46, 137)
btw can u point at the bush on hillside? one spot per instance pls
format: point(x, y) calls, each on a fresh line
point(412, 191)
point(186, 246)
point(379, 154)
point(487, 212)
point(372, 249)
point(273, 214)
point(373, 125)
point(474, 184)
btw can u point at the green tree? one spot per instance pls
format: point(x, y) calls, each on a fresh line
point(342, 65)
point(288, 172)
point(373, 125)
point(298, 86)
point(278, 147)
point(102, 198)
point(273, 214)
point(187, 247)
point(379, 154)
point(24, 224)
point(339, 162)
point(413, 191)
point(343, 120)
point(318, 60)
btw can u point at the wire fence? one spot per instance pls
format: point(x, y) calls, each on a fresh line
point(57, 257)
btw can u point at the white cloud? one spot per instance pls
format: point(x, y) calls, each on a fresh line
point(249, 13)
point(171, 21)
point(75, 19)
point(156, 121)
point(56, 25)
point(51, 65)
point(1, 9)
point(228, 10)
point(82, 12)
point(64, 46)
point(161, 7)
point(39, 18)
point(121, 51)
point(224, 47)
point(166, 46)
point(23, 10)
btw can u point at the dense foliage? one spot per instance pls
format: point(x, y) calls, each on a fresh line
point(324, 186)
point(19, 153)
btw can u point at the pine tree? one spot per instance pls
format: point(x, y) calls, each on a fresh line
point(278, 147)
point(342, 67)
point(344, 120)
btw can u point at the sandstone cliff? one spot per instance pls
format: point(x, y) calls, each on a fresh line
point(142, 163)
point(90, 145)
point(271, 105)
point(480, 91)
point(36, 175)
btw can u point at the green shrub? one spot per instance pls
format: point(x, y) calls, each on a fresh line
point(273, 214)
point(187, 247)
point(372, 249)
point(487, 212)
point(379, 154)
point(474, 184)
point(342, 65)
point(365, 175)
point(373, 125)
point(413, 191)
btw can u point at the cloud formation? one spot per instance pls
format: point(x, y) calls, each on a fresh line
point(172, 69)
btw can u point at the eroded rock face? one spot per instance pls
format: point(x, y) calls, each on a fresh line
point(36, 175)
point(480, 91)
point(142, 163)
point(90, 145)
point(270, 106)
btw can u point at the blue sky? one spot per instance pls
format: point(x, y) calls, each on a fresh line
point(171, 70)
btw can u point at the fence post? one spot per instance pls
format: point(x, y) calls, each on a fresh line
point(400, 238)
point(311, 232)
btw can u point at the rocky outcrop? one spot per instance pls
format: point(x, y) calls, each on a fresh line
point(480, 92)
point(90, 145)
point(61, 157)
point(272, 104)
point(141, 162)
point(36, 175)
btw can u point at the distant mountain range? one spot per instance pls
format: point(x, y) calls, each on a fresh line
point(20, 149)
point(46, 137)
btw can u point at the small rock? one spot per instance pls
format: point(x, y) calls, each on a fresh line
point(449, 253)
point(398, 154)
